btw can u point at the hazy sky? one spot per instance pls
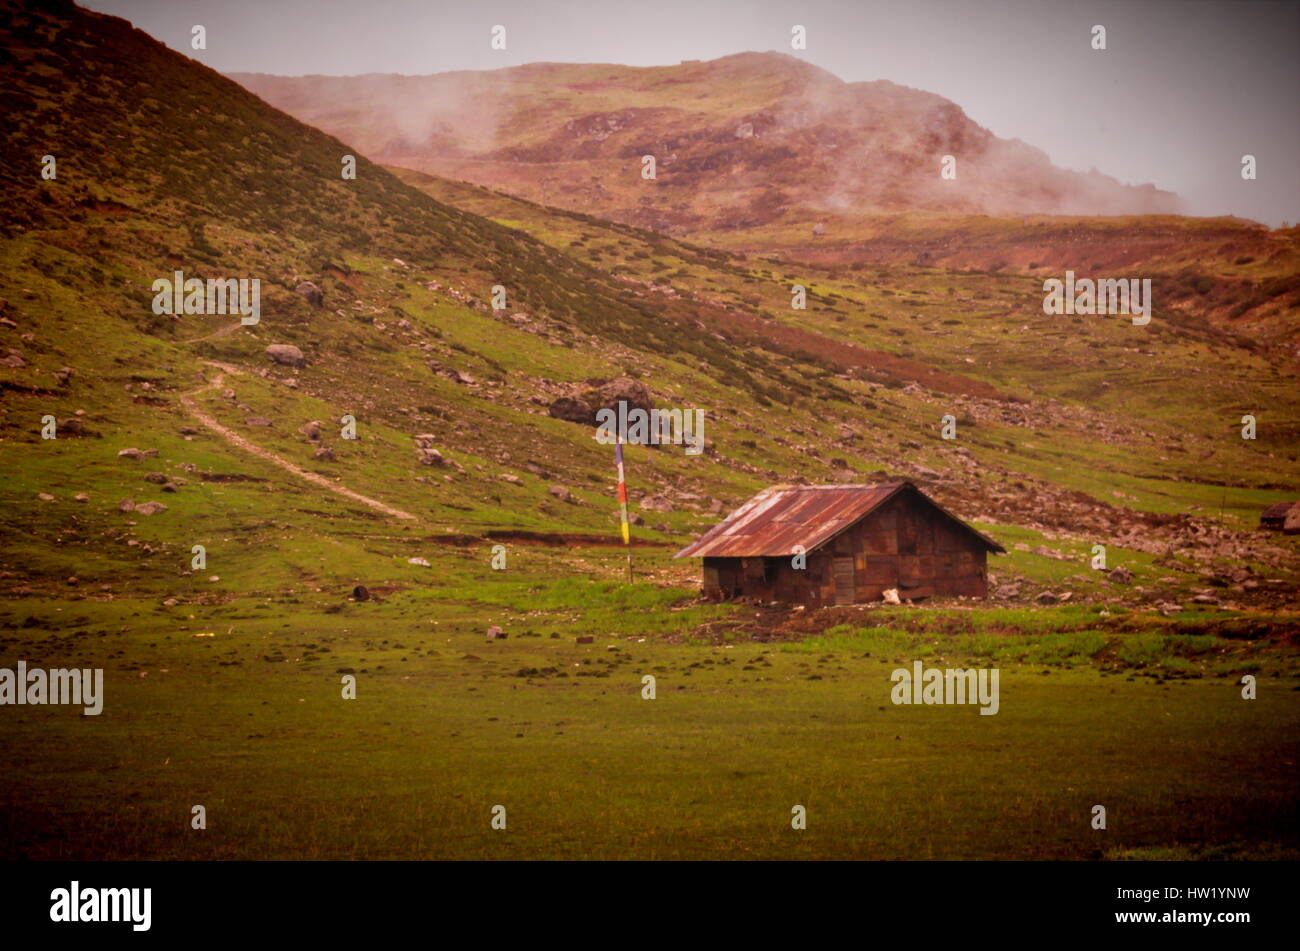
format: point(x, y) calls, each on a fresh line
point(1184, 89)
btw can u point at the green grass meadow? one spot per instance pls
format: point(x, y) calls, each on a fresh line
point(238, 707)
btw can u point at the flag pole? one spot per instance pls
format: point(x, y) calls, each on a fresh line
point(622, 503)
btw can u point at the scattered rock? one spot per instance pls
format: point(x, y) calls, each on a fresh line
point(623, 389)
point(311, 430)
point(45, 497)
point(81, 497)
point(512, 479)
point(285, 354)
point(429, 457)
point(134, 453)
point(584, 639)
point(423, 563)
point(1046, 597)
point(310, 292)
point(157, 478)
point(126, 505)
point(150, 508)
point(1120, 575)
point(572, 410)
point(359, 593)
point(561, 493)
point(495, 633)
point(323, 454)
point(257, 421)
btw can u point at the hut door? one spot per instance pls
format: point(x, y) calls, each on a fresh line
point(842, 567)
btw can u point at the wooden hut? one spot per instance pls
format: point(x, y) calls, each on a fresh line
point(857, 542)
point(1282, 517)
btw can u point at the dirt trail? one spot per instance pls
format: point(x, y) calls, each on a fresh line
point(188, 401)
point(224, 331)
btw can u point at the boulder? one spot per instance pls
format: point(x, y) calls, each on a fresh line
point(311, 430)
point(310, 292)
point(157, 478)
point(150, 508)
point(126, 505)
point(561, 493)
point(573, 410)
point(624, 389)
point(429, 457)
point(285, 354)
point(1120, 575)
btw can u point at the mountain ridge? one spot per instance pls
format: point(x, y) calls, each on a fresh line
point(780, 138)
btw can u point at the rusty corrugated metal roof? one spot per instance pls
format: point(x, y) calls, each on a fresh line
point(1278, 509)
point(783, 516)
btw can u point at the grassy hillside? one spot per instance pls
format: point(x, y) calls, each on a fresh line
point(766, 154)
